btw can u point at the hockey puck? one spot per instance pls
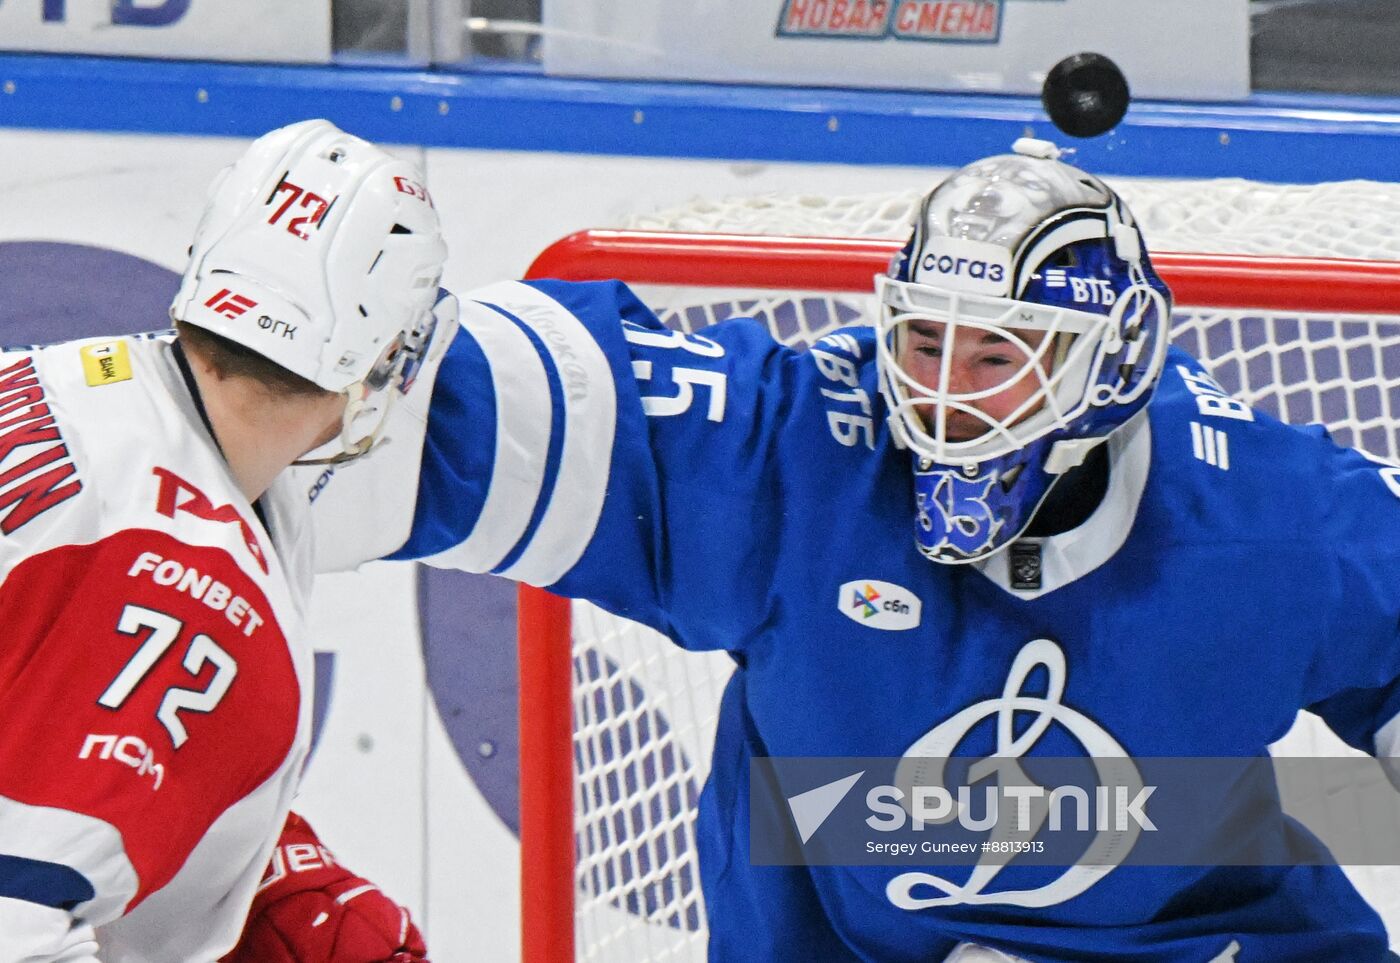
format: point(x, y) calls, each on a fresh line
point(1085, 94)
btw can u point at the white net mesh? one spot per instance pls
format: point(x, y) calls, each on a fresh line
point(644, 721)
point(1353, 219)
point(645, 711)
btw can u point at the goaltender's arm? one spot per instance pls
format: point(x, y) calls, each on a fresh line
point(570, 440)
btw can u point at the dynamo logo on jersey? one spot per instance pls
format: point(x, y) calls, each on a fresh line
point(879, 605)
point(925, 764)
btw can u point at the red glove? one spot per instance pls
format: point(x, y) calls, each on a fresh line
point(310, 909)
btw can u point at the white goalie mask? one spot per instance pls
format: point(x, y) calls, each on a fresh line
point(1019, 327)
point(322, 253)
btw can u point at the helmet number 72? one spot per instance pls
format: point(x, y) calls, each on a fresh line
point(318, 204)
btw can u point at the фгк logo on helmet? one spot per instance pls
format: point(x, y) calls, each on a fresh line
point(879, 605)
point(268, 323)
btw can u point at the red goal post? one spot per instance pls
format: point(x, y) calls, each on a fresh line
point(1303, 290)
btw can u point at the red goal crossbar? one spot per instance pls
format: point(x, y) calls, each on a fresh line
point(1316, 285)
point(547, 845)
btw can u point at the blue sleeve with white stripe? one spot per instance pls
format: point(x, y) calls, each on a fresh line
point(575, 442)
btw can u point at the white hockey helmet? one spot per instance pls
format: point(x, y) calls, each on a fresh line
point(319, 251)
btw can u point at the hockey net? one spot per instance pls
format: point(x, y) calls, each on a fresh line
point(617, 723)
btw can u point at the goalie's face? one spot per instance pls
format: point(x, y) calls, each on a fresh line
point(974, 378)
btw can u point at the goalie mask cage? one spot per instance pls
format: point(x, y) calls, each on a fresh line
point(617, 723)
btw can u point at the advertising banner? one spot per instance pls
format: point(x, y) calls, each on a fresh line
point(265, 30)
point(1191, 49)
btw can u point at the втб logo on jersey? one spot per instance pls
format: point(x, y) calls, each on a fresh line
point(879, 605)
point(924, 763)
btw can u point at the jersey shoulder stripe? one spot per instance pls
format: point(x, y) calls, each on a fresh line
point(555, 405)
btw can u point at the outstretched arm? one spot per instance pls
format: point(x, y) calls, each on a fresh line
point(573, 441)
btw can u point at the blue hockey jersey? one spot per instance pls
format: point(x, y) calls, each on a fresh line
point(731, 492)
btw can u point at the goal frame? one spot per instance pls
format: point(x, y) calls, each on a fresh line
point(827, 264)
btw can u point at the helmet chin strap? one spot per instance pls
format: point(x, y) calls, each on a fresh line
point(358, 404)
point(393, 375)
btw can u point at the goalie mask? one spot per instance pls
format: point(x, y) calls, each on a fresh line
point(1020, 326)
point(322, 253)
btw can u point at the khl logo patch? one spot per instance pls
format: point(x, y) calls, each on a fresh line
point(879, 605)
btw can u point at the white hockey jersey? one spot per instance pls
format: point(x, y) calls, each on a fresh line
point(154, 671)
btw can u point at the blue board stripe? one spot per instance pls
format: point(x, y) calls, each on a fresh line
point(1304, 138)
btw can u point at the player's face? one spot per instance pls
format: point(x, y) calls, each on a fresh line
point(988, 371)
point(328, 410)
